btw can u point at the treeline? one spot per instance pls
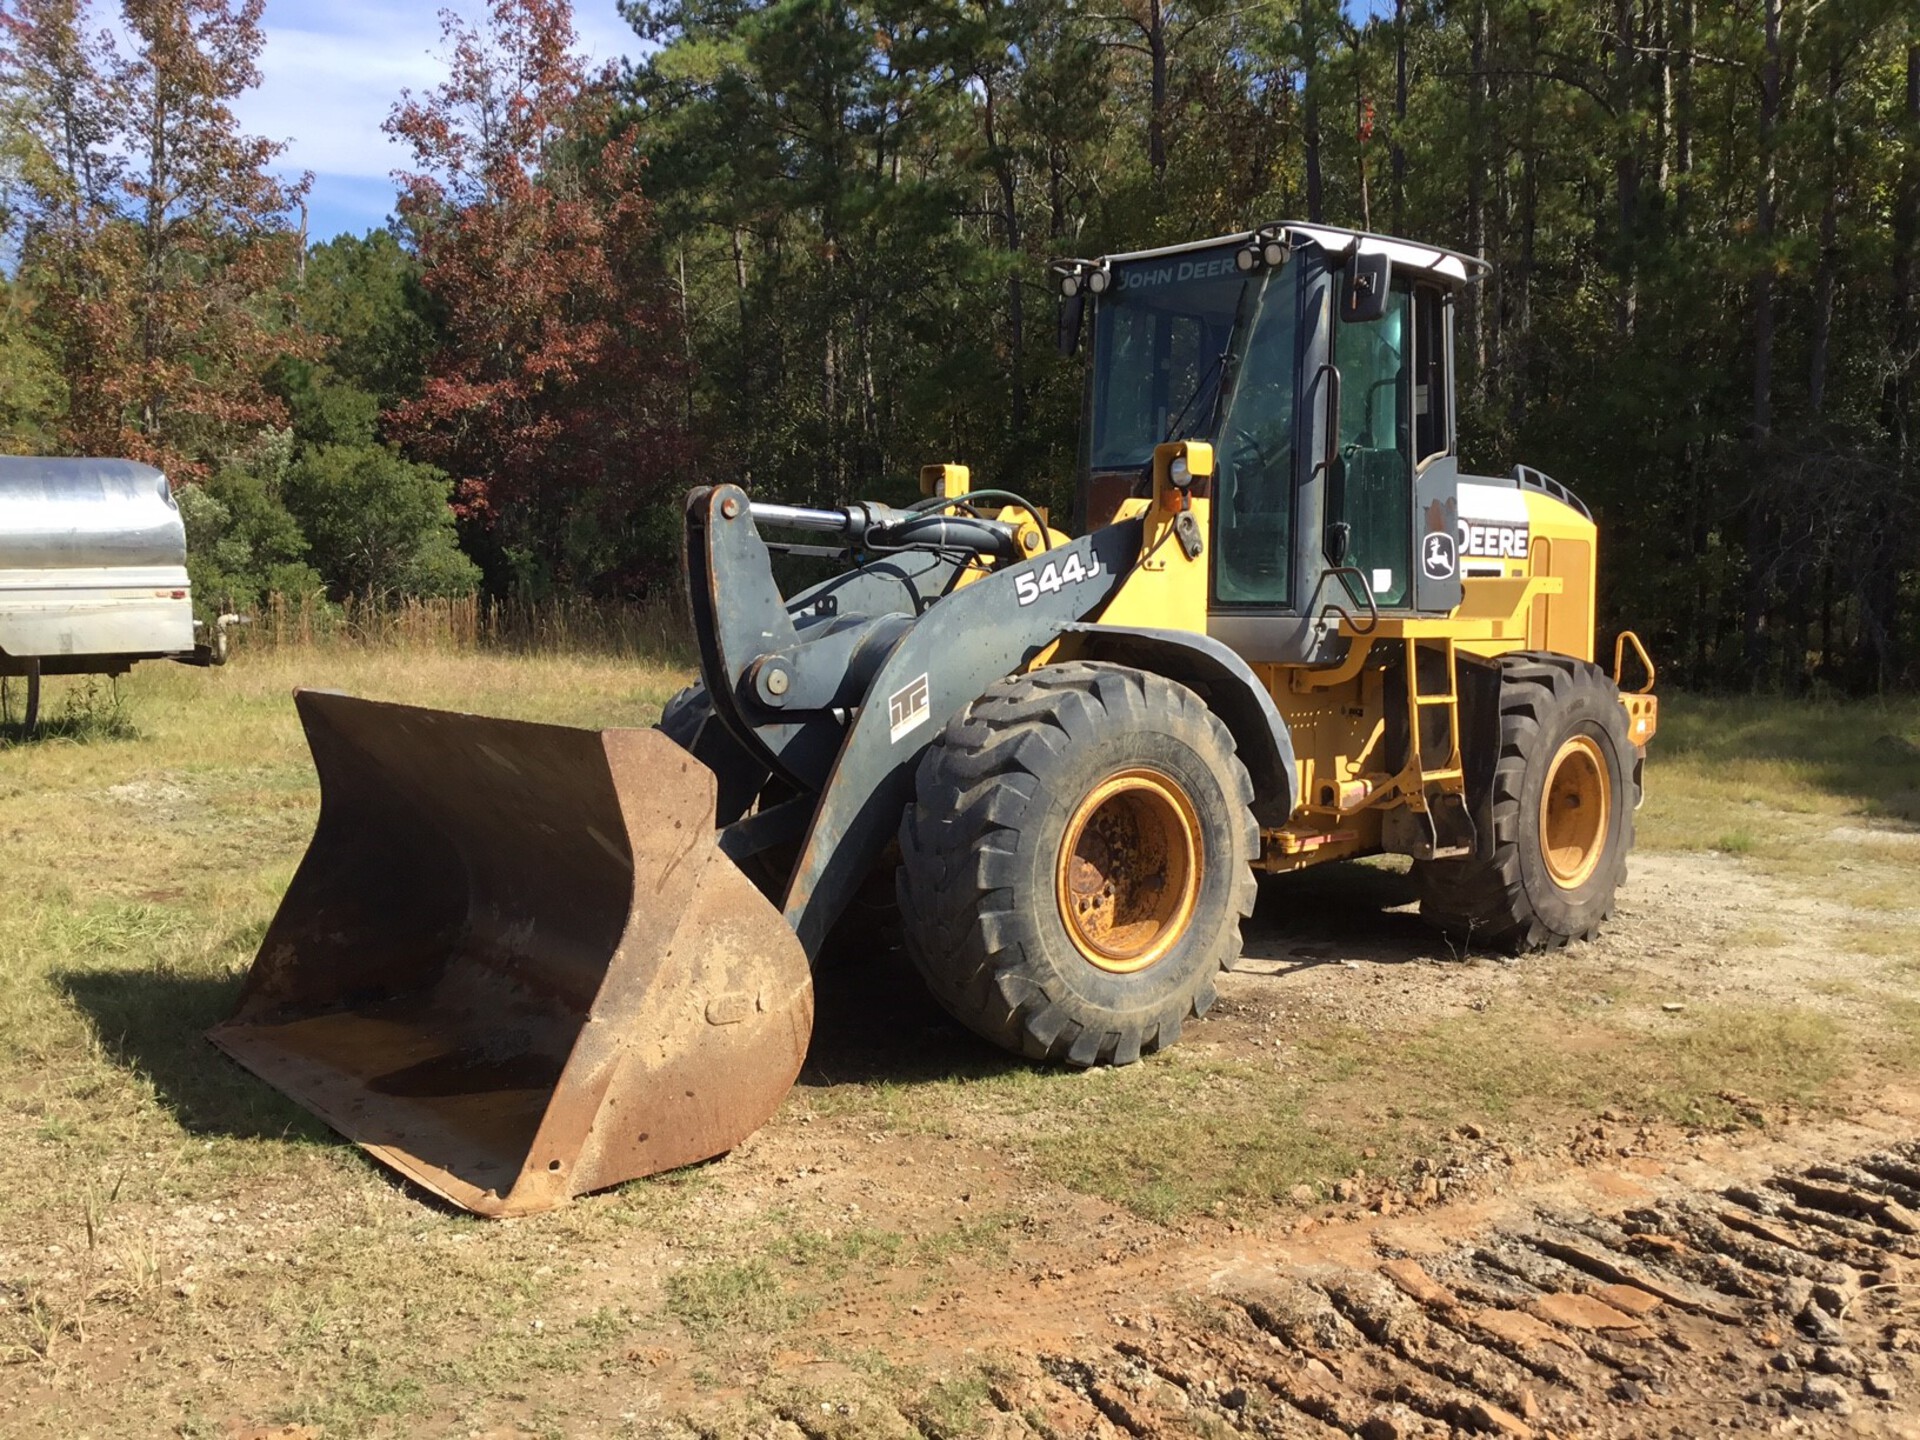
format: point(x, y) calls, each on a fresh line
point(487, 391)
point(802, 244)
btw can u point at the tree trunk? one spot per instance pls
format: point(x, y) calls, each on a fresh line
point(1007, 182)
point(1360, 132)
point(1759, 541)
point(1663, 116)
point(1399, 116)
point(1310, 58)
point(1829, 268)
point(1626, 168)
point(1683, 119)
point(1477, 195)
point(1906, 274)
point(1880, 628)
point(1157, 99)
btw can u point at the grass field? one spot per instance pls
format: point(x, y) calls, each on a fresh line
point(181, 1248)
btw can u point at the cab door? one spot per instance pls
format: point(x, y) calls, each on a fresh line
point(1392, 481)
point(1370, 500)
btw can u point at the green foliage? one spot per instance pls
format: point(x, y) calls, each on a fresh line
point(242, 542)
point(325, 409)
point(32, 395)
point(1704, 313)
point(363, 294)
point(377, 523)
point(861, 200)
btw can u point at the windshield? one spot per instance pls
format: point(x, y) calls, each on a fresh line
point(1159, 354)
point(1189, 347)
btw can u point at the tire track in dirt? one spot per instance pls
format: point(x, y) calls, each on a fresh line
point(1770, 1306)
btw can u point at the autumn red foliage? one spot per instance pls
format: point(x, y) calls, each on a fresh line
point(161, 234)
point(552, 397)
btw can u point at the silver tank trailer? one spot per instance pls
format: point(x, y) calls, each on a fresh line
point(93, 571)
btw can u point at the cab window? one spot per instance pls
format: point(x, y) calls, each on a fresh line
point(1373, 486)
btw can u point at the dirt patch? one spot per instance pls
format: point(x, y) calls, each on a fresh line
point(1383, 1188)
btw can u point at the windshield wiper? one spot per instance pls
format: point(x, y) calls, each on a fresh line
point(1200, 387)
point(1218, 365)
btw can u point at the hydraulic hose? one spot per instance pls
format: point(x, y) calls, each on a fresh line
point(884, 528)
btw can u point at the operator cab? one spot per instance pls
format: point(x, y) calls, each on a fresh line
point(1318, 363)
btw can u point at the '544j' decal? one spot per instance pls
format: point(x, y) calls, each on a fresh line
point(1054, 576)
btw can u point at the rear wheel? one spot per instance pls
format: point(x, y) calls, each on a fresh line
point(1077, 862)
point(1562, 815)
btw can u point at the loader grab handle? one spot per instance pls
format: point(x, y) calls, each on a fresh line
point(1621, 643)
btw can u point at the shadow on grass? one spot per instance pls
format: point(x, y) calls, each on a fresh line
point(154, 1022)
point(74, 729)
point(89, 711)
point(875, 1022)
point(1341, 911)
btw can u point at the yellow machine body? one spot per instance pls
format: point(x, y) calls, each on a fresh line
point(1543, 600)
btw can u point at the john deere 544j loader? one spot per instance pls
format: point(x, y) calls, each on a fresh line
point(521, 962)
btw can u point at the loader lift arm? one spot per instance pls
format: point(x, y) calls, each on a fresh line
point(841, 699)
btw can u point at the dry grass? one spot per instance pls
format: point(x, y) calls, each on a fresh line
point(179, 1245)
point(148, 1187)
point(562, 625)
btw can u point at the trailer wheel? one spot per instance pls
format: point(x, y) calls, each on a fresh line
point(1562, 815)
point(1077, 862)
point(30, 719)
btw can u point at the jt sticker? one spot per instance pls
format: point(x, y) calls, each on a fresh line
point(1437, 556)
point(908, 708)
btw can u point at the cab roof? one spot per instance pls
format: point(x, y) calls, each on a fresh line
point(1450, 265)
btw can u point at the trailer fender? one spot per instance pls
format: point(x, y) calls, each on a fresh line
point(1228, 685)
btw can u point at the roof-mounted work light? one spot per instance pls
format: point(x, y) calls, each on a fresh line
point(1268, 248)
point(1072, 276)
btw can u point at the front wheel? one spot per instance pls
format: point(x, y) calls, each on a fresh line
point(1562, 815)
point(1077, 862)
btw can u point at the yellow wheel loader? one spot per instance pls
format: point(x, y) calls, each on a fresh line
point(522, 962)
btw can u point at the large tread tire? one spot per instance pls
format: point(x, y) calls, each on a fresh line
point(1510, 901)
point(683, 715)
point(993, 800)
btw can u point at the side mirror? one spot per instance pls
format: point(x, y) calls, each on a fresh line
point(1073, 312)
point(1369, 280)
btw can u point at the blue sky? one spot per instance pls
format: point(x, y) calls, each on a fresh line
point(333, 69)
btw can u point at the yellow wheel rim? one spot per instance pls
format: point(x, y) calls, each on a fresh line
point(1129, 870)
point(1575, 808)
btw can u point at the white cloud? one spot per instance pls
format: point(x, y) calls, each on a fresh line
point(334, 68)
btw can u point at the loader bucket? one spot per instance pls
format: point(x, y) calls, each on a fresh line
point(514, 965)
